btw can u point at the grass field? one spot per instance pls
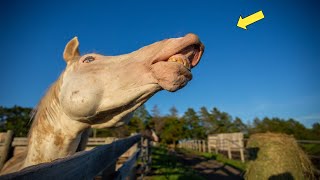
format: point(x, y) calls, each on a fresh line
point(166, 166)
point(221, 158)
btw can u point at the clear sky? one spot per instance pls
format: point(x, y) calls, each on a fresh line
point(271, 69)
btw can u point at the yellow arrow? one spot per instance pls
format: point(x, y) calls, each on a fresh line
point(244, 22)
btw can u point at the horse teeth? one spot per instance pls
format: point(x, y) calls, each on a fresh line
point(172, 60)
point(180, 59)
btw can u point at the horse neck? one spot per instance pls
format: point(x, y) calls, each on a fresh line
point(53, 134)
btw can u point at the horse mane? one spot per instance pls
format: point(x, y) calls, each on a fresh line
point(48, 107)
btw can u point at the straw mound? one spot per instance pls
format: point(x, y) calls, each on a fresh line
point(276, 156)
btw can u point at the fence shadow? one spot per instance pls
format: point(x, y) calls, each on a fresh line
point(209, 168)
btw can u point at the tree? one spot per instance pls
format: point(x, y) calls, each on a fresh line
point(142, 114)
point(17, 119)
point(221, 122)
point(155, 111)
point(173, 111)
point(172, 131)
point(206, 119)
point(135, 125)
point(193, 125)
point(238, 126)
point(316, 130)
point(290, 126)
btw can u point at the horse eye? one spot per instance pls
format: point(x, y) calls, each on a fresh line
point(88, 59)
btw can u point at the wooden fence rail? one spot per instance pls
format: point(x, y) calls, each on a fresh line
point(127, 168)
point(86, 164)
point(197, 145)
point(228, 146)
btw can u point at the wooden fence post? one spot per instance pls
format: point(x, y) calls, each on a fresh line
point(196, 145)
point(229, 149)
point(241, 150)
point(209, 145)
point(217, 146)
point(6, 148)
point(204, 146)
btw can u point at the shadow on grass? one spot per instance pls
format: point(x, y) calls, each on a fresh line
point(183, 165)
point(165, 165)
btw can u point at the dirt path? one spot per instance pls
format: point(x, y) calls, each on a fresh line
point(209, 169)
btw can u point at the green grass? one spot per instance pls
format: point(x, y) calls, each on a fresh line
point(166, 166)
point(311, 149)
point(221, 158)
point(235, 163)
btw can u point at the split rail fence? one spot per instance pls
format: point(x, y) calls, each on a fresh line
point(106, 161)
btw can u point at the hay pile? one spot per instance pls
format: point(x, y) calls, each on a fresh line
point(276, 156)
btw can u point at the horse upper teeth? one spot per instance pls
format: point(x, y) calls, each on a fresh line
point(180, 59)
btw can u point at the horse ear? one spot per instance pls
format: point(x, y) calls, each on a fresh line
point(71, 50)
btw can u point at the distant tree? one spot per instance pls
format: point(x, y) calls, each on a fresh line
point(119, 132)
point(221, 121)
point(142, 114)
point(172, 131)
point(204, 114)
point(155, 111)
point(238, 126)
point(316, 130)
point(207, 120)
point(290, 126)
point(255, 126)
point(135, 125)
point(173, 112)
point(17, 119)
point(193, 125)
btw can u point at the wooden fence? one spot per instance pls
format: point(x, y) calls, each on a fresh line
point(225, 142)
point(229, 143)
point(197, 145)
point(101, 160)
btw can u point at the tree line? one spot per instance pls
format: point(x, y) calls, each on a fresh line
point(193, 124)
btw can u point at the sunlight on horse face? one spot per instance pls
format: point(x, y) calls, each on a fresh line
point(104, 90)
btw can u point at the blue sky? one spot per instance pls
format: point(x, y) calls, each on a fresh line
point(271, 69)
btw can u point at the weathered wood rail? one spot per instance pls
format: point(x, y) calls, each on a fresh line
point(101, 160)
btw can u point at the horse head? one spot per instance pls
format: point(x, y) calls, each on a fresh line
point(103, 91)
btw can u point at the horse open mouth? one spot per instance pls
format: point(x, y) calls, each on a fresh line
point(173, 69)
point(189, 56)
